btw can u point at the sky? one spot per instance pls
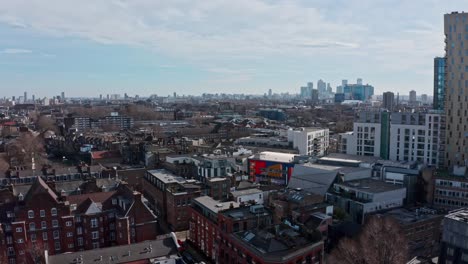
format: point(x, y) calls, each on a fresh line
point(144, 47)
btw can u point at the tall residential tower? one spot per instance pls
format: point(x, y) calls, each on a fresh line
point(456, 85)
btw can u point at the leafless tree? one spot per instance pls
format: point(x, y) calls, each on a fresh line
point(34, 252)
point(380, 242)
point(45, 123)
point(25, 147)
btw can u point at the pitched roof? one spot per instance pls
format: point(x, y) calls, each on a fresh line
point(98, 197)
point(163, 247)
point(39, 187)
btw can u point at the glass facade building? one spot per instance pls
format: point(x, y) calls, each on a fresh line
point(439, 83)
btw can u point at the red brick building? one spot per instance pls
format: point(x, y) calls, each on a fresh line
point(170, 196)
point(227, 233)
point(43, 220)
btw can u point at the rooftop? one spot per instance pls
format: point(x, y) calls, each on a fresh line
point(166, 176)
point(245, 192)
point(459, 215)
point(247, 212)
point(162, 247)
point(278, 243)
point(214, 205)
point(371, 186)
point(408, 216)
point(276, 156)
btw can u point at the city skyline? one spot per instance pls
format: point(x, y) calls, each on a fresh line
point(152, 47)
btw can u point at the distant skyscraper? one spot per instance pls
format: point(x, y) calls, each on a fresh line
point(100, 97)
point(438, 99)
point(321, 86)
point(358, 91)
point(310, 85)
point(329, 88)
point(412, 97)
point(33, 98)
point(339, 88)
point(63, 96)
point(315, 96)
point(388, 101)
point(424, 98)
point(359, 81)
point(456, 107)
point(175, 94)
point(270, 93)
point(25, 97)
point(108, 97)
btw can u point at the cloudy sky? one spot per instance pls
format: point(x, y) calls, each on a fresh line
point(144, 47)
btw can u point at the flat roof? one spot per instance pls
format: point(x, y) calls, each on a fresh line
point(166, 176)
point(371, 185)
point(276, 156)
point(459, 215)
point(244, 212)
point(408, 216)
point(276, 246)
point(350, 158)
point(163, 247)
point(342, 169)
point(246, 192)
point(214, 205)
point(216, 179)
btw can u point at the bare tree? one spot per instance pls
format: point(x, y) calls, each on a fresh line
point(381, 241)
point(45, 123)
point(25, 147)
point(35, 252)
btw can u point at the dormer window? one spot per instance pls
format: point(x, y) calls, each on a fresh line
point(21, 197)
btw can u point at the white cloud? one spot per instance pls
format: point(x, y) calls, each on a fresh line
point(359, 37)
point(188, 28)
point(15, 51)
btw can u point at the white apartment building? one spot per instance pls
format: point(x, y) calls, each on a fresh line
point(416, 137)
point(365, 139)
point(310, 141)
point(401, 136)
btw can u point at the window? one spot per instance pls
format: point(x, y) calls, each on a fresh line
point(80, 241)
point(69, 234)
point(33, 237)
point(53, 211)
point(42, 213)
point(32, 227)
point(71, 246)
point(450, 251)
point(54, 223)
point(95, 234)
point(56, 234)
point(44, 236)
point(30, 214)
point(94, 223)
point(19, 229)
point(20, 241)
point(114, 201)
point(78, 219)
point(44, 225)
point(79, 231)
point(68, 223)
point(95, 244)
point(57, 245)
